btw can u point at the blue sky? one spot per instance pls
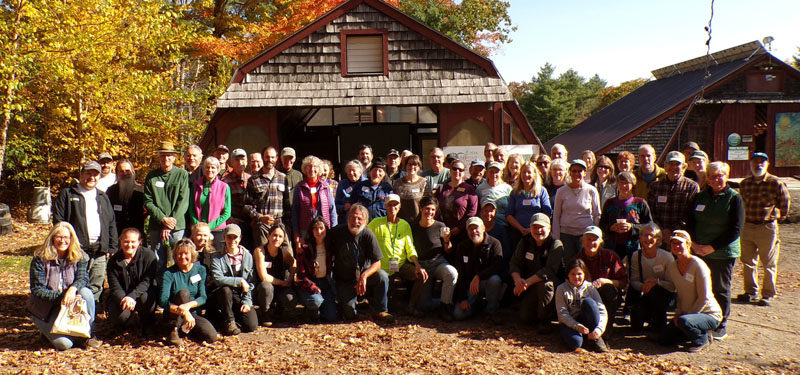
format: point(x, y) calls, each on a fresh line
point(622, 40)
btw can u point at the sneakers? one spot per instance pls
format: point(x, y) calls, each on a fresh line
point(706, 345)
point(745, 298)
point(766, 302)
point(231, 329)
point(600, 345)
point(383, 317)
point(174, 338)
point(719, 334)
point(92, 343)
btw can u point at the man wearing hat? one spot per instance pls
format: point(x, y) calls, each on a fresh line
point(397, 247)
point(490, 214)
point(293, 176)
point(237, 182)
point(90, 213)
point(535, 268)
point(648, 171)
point(766, 202)
point(166, 198)
point(478, 259)
point(671, 200)
point(372, 192)
point(689, 148)
point(495, 189)
point(696, 167)
point(606, 271)
point(222, 153)
point(438, 175)
point(392, 165)
point(107, 177)
point(476, 169)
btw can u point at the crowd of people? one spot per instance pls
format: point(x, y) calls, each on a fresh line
point(230, 242)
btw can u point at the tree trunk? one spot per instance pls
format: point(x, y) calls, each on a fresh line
point(8, 100)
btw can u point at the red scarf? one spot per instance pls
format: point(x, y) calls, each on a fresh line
point(312, 186)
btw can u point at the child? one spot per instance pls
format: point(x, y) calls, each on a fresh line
point(580, 309)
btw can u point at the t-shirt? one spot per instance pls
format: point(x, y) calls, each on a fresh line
point(395, 242)
point(352, 253)
point(651, 268)
point(428, 241)
point(92, 214)
point(410, 193)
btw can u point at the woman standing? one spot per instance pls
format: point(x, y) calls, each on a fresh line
point(604, 179)
point(312, 198)
point(183, 290)
point(457, 201)
point(556, 178)
point(621, 217)
point(411, 188)
point(212, 200)
point(697, 312)
point(313, 273)
point(353, 172)
point(590, 159)
point(59, 276)
point(626, 161)
point(543, 165)
point(716, 223)
point(527, 198)
point(511, 171)
point(329, 175)
point(275, 266)
point(580, 310)
point(577, 206)
point(233, 273)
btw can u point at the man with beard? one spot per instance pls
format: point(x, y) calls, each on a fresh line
point(131, 282)
point(357, 266)
point(479, 261)
point(127, 198)
point(365, 157)
point(90, 213)
point(293, 176)
point(106, 177)
point(766, 202)
point(237, 181)
point(193, 156)
point(266, 198)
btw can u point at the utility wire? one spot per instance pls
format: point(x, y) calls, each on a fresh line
point(707, 74)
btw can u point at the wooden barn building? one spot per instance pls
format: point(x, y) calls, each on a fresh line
point(365, 73)
point(749, 101)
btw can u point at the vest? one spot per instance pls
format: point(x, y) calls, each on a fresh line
point(216, 200)
point(713, 220)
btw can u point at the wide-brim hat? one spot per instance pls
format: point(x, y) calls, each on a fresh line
point(167, 147)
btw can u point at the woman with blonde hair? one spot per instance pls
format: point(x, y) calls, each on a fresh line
point(212, 200)
point(526, 199)
point(556, 178)
point(58, 276)
point(511, 171)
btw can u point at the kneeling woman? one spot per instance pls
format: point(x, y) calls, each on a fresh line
point(275, 266)
point(183, 289)
point(580, 310)
point(313, 270)
point(697, 311)
point(58, 276)
point(233, 276)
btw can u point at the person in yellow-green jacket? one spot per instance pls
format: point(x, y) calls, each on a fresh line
point(397, 246)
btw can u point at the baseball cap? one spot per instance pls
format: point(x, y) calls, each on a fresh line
point(699, 155)
point(495, 164)
point(681, 235)
point(378, 163)
point(238, 152)
point(489, 201)
point(288, 151)
point(475, 221)
point(676, 156)
point(223, 148)
point(392, 198)
point(393, 152)
point(593, 230)
point(104, 156)
point(579, 162)
point(477, 162)
point(540, 219)
point(759, 155)
point(91, 166)
point(692, 145)
point(233, 229)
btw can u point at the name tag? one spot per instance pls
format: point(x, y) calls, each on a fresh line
point(415, 191)
point(313, 190)
point(281, 187)
point(662, 199)
point(658, 268)
point(529, 256)
point(365, 189)
point(117, 207)
point(76, 199)
point(434, 186)
point(700, 207)
point(527, 202)
point(689, 277)
point(195, 279)
point(269, 264)
point(348, 190)
point(461, 190)
point(238, 267)
point(466, 259)
point(159, 184)
point(394, 265)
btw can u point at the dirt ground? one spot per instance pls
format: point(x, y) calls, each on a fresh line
point(761, 340)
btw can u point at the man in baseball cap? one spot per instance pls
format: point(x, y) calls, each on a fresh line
point(107, 176)
point(478, 260)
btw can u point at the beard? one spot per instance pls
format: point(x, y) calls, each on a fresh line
point(757, 171)
point(476, 239)
point(355, 230)
point(126, 188)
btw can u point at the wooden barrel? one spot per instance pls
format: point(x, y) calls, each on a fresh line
point(39, 212)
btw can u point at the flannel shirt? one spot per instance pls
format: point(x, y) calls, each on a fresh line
point(671, 202)
point(237, 185)
point(267, 196)
point(764, 201)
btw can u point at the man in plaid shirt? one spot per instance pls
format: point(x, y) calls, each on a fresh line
point(266, 198)
point(672, 199)
point(766, 201)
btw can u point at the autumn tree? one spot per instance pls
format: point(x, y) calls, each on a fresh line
point(611, 94)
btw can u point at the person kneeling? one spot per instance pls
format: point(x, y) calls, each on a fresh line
point(650, 294)
point(131, 282)
point(183, 289)
point(275, 266)
point(580, 310)
point(479, 261)
point(233, 275)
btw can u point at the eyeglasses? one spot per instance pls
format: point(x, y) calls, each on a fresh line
point(543, 163)
point(604, 167)
point(454, 169)
point(61, 238)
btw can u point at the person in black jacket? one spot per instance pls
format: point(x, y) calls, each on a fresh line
point(127, 198)
point(479, 261)
point(131, 282)
point(90, 213)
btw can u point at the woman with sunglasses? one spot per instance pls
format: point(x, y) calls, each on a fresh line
point(457, 201)
point(604, 179)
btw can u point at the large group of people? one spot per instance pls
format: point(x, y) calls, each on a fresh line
point(232, 241)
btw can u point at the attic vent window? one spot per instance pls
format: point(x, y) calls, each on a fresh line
point(364, 52)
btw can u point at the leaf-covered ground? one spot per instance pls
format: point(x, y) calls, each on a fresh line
point(761, 340)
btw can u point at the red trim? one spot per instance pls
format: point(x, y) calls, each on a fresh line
point(343, 48)
point(481, 61)
point(512, 108)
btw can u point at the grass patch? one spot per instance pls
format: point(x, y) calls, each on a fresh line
point(14, 263)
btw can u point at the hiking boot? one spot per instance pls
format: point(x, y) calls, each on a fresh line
point(92, 343)
point(446, 312)
point(600, 345)
point(745, 298)
point(719, 334)
point(766, 302)
point(698, 348)
point(383, 317)
point(174, 338)
point(231, 329)
point(265, 318)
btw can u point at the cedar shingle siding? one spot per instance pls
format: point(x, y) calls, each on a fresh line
point(421, 72)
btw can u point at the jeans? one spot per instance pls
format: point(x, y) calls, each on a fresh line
point(65, 342)
point(97, 275)
point(691, 327)
point(230, 304)
point(322, 305)
point(160, 248)
point(537, 302)
point(721, 275)
point(438, 269)
point(266, 293)
point(612, 298)
point(491, 288)
point(377, 292)
point(589, 317)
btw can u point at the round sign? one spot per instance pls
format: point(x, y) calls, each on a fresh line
point(734, 139)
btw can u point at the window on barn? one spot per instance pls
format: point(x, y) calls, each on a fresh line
point(364, 52)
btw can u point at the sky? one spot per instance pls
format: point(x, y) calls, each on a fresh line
point(621, 40)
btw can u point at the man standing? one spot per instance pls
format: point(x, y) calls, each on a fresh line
point(766, 202)
point(397, 247)
point(357, 266)
point(237, 182)
point(371, 193)
point(127, 198)
point(107, 178)
point(648, 172)
point(365, 157)
point(222, 153)
point(193, 156)
point(266, 198)
point(131, 282)
point(293, 176)
point(488, 152)
point(90, 213)
point(392, 165)
point(479, 261)
point(166, 198)
point(671, 200)
point(476, 170)
point(255, 163)
point(438, 174)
